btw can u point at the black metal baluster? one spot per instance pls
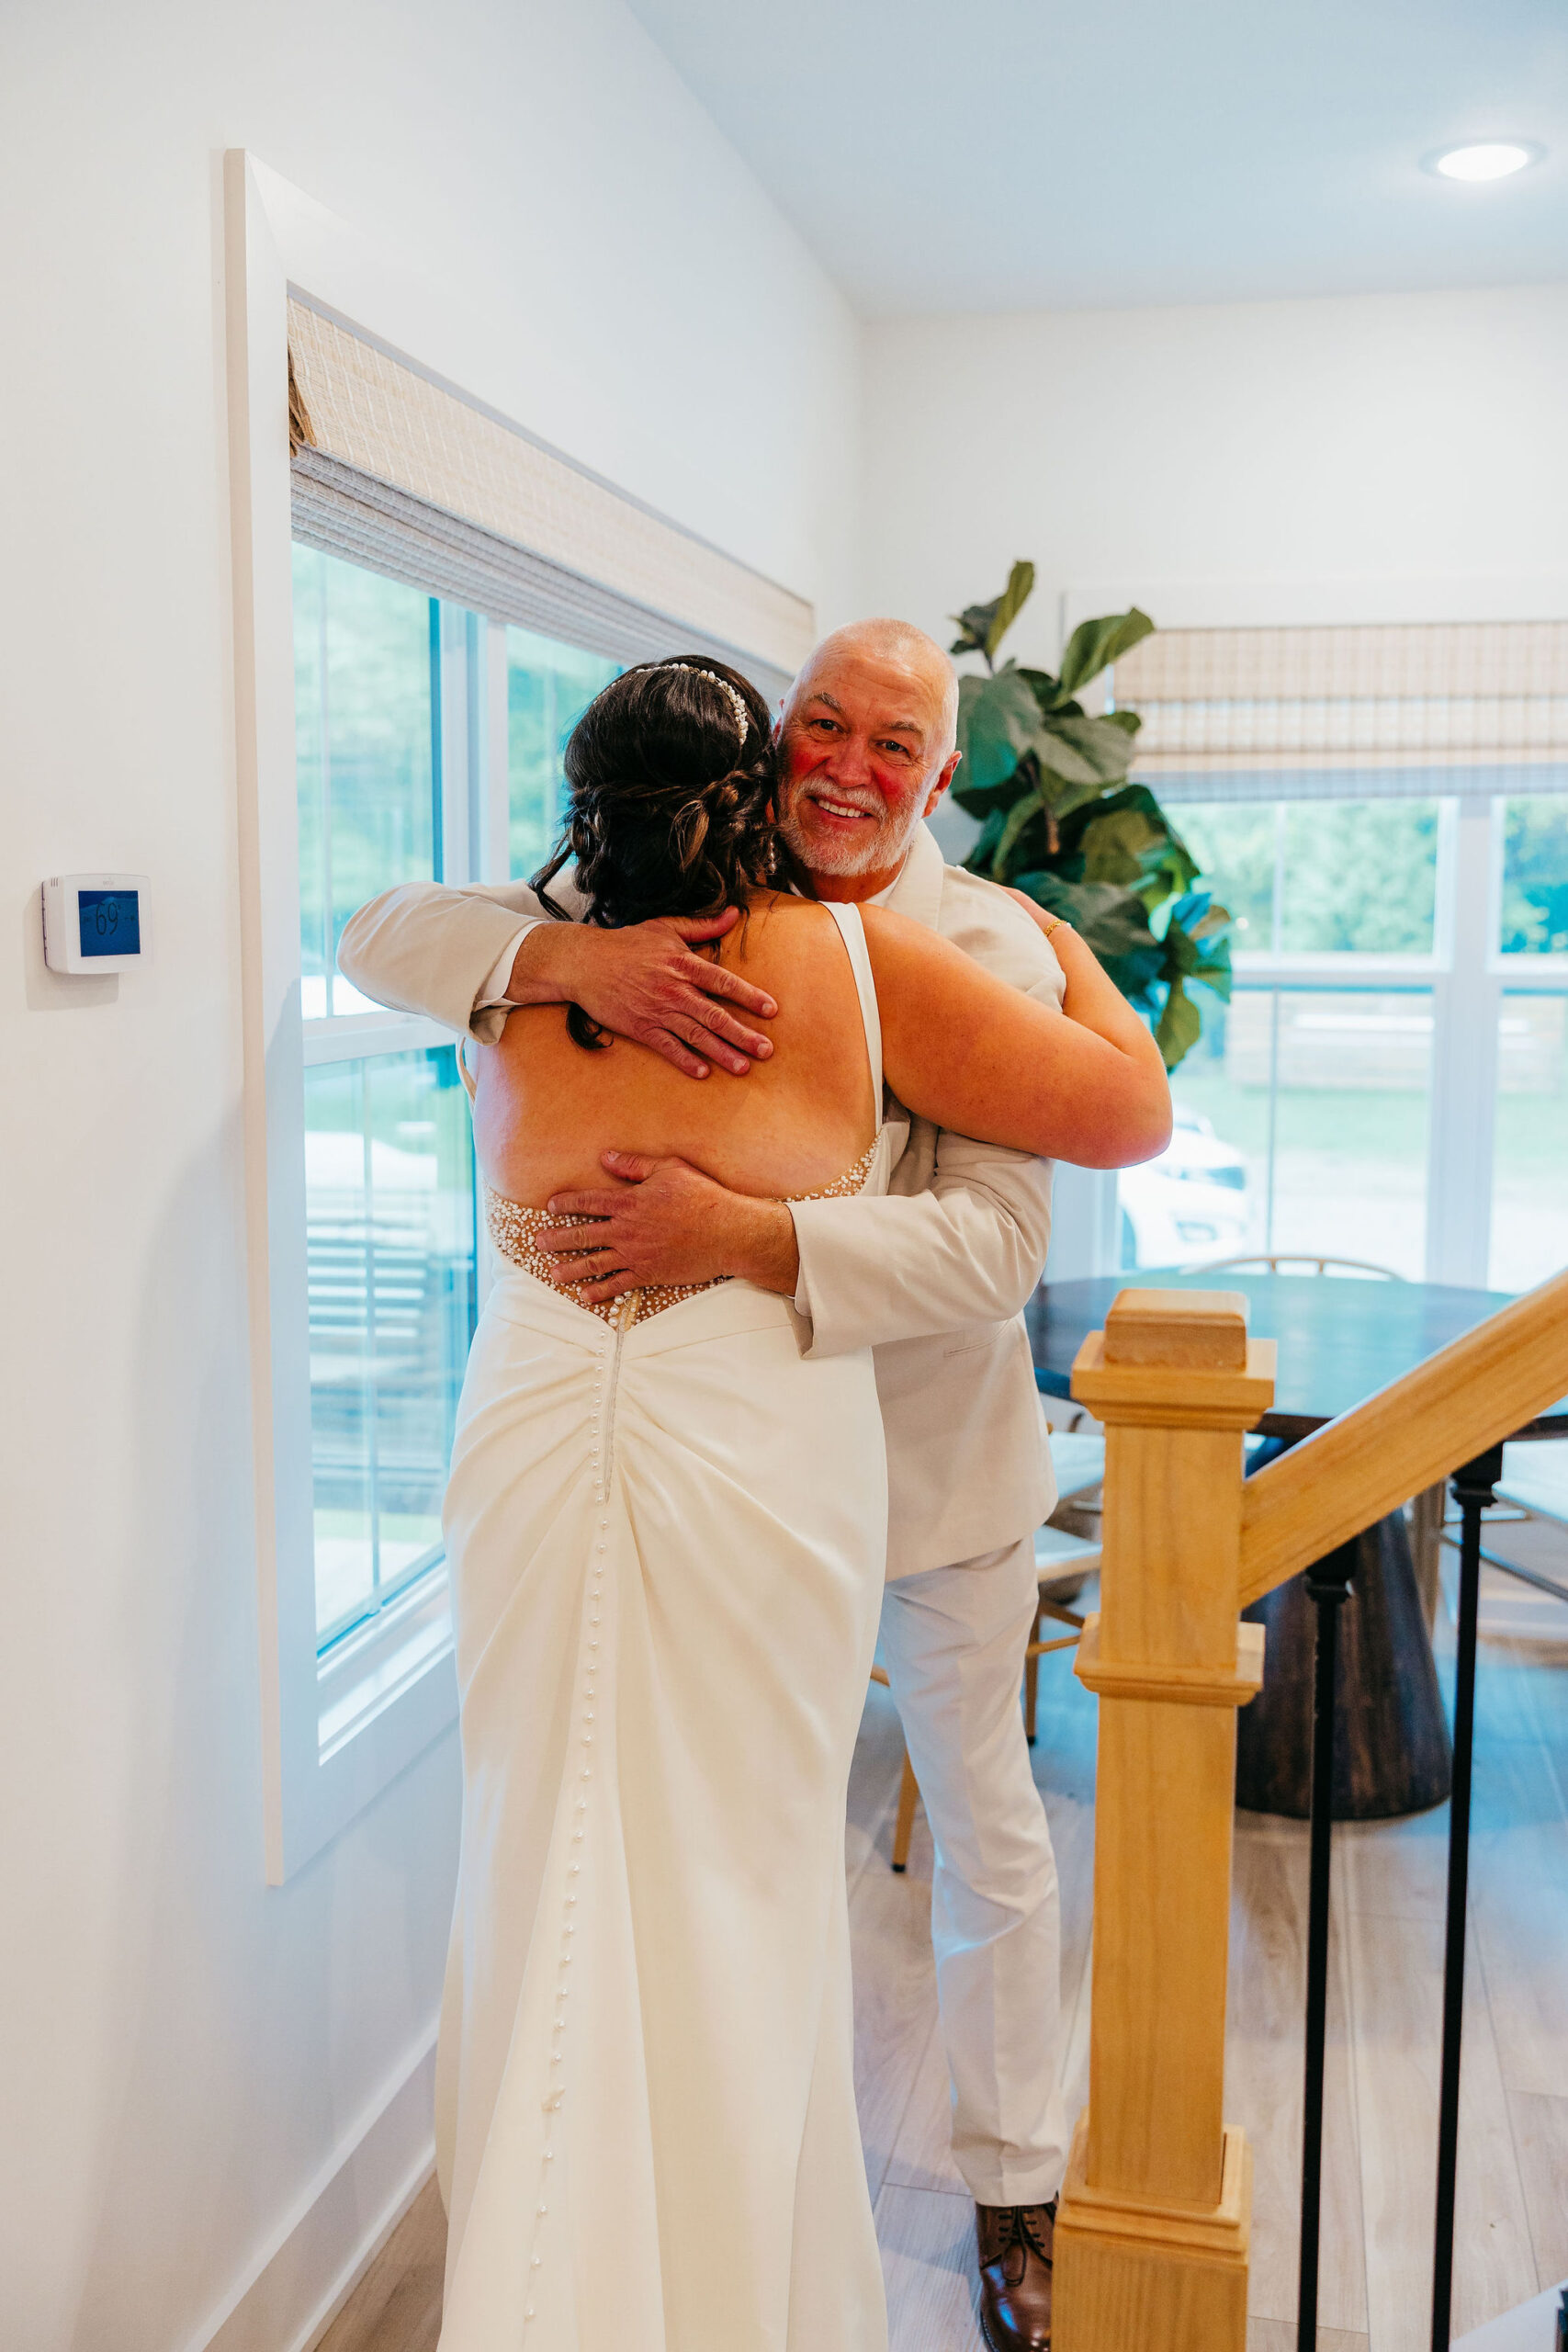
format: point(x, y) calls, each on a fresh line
point(1329, 1583)
point(1472, 1488)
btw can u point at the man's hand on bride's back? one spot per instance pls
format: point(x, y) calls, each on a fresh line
point(645, 983)
point(666, 1224)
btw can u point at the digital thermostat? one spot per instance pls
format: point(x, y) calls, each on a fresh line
point(95, 922)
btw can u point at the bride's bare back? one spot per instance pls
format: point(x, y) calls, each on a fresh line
point(959, 1047)
point(545, 1108)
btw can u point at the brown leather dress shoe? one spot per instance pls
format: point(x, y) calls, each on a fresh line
point(1016, 2244)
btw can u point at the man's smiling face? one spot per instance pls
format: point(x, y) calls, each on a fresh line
point(866, 750)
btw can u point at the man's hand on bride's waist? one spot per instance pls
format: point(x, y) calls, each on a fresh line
point(666, 1224)
point(645, 983)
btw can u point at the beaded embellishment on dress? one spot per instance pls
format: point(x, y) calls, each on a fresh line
point(512, 1229)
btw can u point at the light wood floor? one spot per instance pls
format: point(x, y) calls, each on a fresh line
point(1381, 2132)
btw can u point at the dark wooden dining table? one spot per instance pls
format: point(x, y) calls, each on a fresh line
point(1340, 1340)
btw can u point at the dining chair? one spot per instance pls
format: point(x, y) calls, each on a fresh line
point(1077, 1462)
point(1062, 1562)
point(1534, 1485)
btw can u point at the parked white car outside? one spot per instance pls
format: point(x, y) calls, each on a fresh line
point(1190, 1203)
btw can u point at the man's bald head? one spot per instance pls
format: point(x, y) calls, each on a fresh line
point(868, 741)
point(894, 645)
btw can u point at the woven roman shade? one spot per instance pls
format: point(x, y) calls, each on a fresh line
point(407, 476)
point(1468, 708)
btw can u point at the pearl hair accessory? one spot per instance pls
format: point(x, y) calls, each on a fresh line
point(742, 717)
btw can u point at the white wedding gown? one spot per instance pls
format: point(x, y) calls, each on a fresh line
point(666, 1534)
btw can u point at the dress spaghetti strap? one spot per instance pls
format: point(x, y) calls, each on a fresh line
point(852, 930)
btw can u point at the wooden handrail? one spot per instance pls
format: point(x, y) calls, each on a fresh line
point(1355, 1470)
point(1153, 2226)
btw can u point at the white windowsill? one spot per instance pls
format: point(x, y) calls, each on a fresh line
point(362, 1676)
point(1548, 973)
point(350, 1036)
point(1340, 968)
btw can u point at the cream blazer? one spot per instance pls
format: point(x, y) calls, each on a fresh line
point(933, 1276)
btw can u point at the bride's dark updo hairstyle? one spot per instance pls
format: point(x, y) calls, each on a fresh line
point(672, 778)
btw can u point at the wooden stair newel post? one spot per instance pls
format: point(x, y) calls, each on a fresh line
point(1153, 2226)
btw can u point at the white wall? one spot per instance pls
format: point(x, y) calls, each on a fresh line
point(1349, 446)
point(184, 2050)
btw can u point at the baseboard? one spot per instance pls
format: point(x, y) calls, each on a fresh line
point(289, 2295)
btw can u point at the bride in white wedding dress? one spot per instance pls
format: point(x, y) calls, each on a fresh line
point(666, 1536)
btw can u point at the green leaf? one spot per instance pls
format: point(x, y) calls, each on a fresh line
point(974, 627)
point(1065, 800)
point(1215, 973)
point(1182, 954)
point(1180, 1027)
point(1027, 806)
point(1196, 946)
point(1043, 685)
point(1089, 807)
point(1168, 870)
point(970, 686)
point(979, 858)
point(1093, 644)
point(1061, 756)
point(983, 626)
point(998, 722)
point(1082, 751)
point(980, 800)
point(1116, 847)
point(1105, 751)
point(1009, 603)
point(1198, 914)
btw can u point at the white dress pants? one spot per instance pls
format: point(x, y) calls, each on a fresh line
point(953, 1641)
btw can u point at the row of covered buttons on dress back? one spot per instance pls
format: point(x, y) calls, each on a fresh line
point(579, 1766)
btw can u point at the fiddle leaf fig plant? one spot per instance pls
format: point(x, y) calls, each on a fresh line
point(1060, 820)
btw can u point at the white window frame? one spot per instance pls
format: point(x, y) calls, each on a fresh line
point(1467, 976)
point(362, 1672)
point(312, 1787)
point(335, 1729)
point(1466, 973)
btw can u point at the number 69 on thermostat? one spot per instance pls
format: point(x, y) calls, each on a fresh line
point(95, 922)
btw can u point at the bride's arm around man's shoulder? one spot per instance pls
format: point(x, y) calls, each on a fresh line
point(967, 1050)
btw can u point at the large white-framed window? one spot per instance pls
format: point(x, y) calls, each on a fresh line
point(390, 777)
point(1304, 1111)
point(1529, 1209)
point(428, 747)
point(399, 777)
point(1384, 810)
point(401, 716)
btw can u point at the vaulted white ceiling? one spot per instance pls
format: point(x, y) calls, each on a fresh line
point(1020, 154)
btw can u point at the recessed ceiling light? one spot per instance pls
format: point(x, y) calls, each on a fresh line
point(1489, 159)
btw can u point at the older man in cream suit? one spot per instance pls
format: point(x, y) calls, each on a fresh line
point(933, 1277)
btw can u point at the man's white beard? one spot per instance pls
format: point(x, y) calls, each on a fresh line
point(886, 843)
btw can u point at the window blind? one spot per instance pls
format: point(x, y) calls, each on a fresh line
point(1443, 707)
point(407, 476)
